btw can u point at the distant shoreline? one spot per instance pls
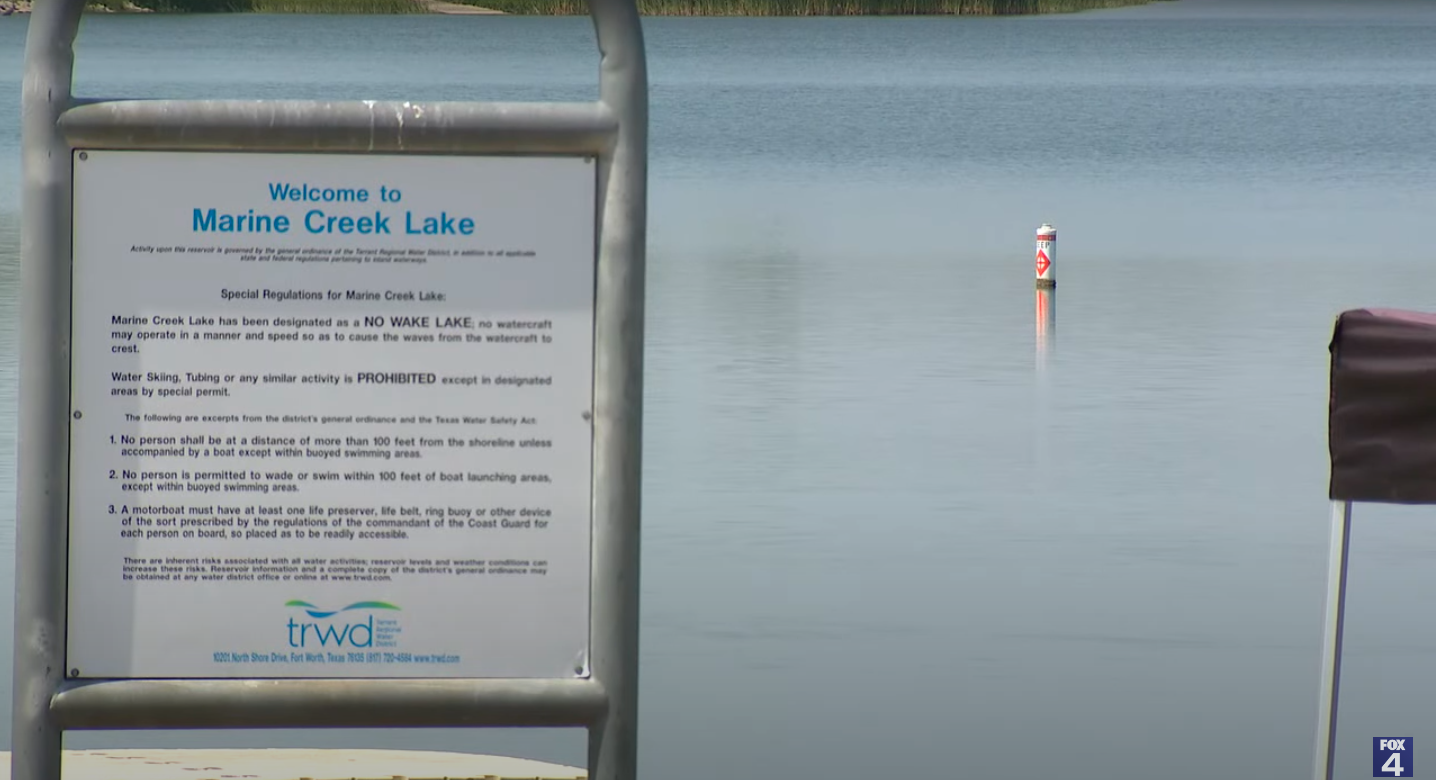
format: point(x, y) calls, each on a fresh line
point(713, 8)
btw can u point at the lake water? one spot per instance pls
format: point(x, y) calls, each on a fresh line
point(879, 541)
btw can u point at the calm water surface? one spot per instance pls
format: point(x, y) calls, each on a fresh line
point(879, 540)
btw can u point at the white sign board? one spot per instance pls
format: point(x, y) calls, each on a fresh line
point(331, 415)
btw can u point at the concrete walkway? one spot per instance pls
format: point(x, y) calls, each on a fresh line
point(299, 765)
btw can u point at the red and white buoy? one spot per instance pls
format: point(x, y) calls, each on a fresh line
point(1046, 257)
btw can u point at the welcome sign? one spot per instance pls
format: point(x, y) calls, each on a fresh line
point(345, 435)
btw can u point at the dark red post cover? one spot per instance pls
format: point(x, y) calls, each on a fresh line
point(1382, 420)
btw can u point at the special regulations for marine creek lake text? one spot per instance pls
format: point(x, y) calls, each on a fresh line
point(331, 415)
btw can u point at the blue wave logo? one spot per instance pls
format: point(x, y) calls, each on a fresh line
point(320, 613)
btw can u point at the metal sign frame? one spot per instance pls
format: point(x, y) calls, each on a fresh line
point(55, 124)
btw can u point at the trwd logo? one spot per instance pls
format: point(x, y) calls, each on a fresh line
point(351, 626)
point(1393, 757)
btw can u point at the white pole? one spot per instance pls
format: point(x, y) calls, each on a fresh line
point(1046, 257)
point(1331, 645)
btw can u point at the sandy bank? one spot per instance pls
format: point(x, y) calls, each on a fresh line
point(23, 7)
point(456, 9)
point(433, 7)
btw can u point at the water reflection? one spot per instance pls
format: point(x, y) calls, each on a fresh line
point(1045, 311)
point(9, 352)
point(9, 370)
point(1045, 323)
point(749, 309)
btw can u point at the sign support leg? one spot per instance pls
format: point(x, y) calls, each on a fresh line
point(42, 454)
point(618, 390)
point(1331, 644)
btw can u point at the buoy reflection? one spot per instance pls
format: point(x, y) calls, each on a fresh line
point(1046, 340)
point(1046, 324)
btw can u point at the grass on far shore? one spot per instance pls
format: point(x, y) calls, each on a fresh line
point(812, 7)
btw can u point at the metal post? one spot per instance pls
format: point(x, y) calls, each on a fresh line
point(43, 451)
point(1331, 646)
point(618, 392)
